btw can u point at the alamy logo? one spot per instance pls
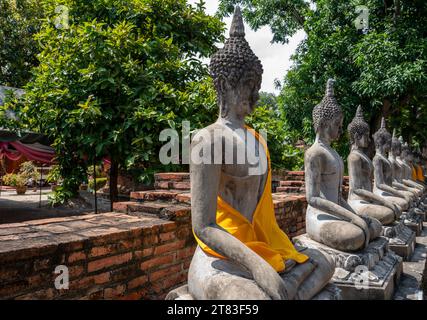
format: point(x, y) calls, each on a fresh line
point(216, 146)
point(62, 281)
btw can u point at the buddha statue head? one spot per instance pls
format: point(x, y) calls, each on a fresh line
point(405, 151)
point(328, 116)
point(382, 138)
point(358, 130)
point(396, 145)
point(236, 72)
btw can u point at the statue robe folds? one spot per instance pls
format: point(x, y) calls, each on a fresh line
point(263, 235)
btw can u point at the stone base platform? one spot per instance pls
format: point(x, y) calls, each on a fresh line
point(370, 274)
point(402, 240)
point(413, 284)
point(415, 225)
point(330, 292)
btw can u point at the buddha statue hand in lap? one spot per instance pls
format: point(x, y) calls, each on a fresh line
point(330, 219)
point(242, 253)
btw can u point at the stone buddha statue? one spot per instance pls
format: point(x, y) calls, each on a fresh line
point(329, 218)
point(351, 236)
point(242, 253)
point(398, 169)
point(361, 170)
point(383, 172)
point(408, 177)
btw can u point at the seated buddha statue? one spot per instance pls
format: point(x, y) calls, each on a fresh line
point(329, 218)
point(361, 170)
point(242, 253)
point(409, 177)
point(383, 177)
point(398, 168)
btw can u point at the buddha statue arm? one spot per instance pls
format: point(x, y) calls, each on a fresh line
point(412, 184)
point(313, 170)
point(372, 197)
point(204, 206)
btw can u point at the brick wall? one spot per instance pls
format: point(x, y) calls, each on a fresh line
point(140, 252)
point(109, 256)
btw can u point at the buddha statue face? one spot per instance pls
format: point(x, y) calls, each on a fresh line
point(237, 72)
point(241, 97)
point(358, 130)
point(382, 139)
point(328, 116)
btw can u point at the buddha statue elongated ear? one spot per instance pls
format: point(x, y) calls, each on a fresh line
point(327, 109)
point(358, 126)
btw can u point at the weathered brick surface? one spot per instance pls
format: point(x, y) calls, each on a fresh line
point(109, 256)
point(140, 252)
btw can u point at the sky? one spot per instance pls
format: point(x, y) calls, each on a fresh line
point(275, 58)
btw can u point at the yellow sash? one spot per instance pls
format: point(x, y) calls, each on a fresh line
point(414, 173)
point(263, 235)
point(420, 174)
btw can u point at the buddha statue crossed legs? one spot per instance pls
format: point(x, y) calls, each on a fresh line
point(242, 253)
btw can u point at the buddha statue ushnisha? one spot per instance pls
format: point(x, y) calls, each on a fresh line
point(329, 218)
point(361, 171)
point(242, 253)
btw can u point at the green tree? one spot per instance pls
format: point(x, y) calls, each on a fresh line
point(381, 67)
point(19, 22)
point(113, 76)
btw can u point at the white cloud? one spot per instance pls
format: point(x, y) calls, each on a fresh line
point(275, 58)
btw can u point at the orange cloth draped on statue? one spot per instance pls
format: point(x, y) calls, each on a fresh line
point(420, 174)
point(263, 235)
point(414, 173)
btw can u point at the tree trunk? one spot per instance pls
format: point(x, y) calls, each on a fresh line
point(114, 172)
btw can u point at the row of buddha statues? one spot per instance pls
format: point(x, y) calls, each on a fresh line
point(242, 253)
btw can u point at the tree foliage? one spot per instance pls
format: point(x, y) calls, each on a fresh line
point(382, 67)
point(116, 74)
point(19, 22)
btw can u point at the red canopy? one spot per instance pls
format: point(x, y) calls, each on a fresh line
point(33, 152)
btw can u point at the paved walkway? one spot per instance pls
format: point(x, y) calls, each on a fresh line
point(18, 208)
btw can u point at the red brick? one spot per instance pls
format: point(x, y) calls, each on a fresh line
point(75, 271)
point(150, 240)
point(76, 256)
point(158, 261)
point(172, 176)
point(167, 236)
point(162, 185)
point(102, 278)
point(108, 262)
point(169, 247)
point(165, 272)
point(185, 253)
point(113, 293)
point(137, 282)
point(101, 251)
point(139, 254)
point(181, 185)
point(168, 226)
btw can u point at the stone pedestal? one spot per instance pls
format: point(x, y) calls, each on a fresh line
point(369, 274)
point(401, 241)
point(414, 223)
point(330, 292)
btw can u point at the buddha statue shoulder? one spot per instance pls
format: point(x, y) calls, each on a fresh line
point(329, 218)
point(242, 253)
point(361, 170)
point(383, 172)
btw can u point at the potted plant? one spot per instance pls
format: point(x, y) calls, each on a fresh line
point(29, 170)
point(19, 181)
